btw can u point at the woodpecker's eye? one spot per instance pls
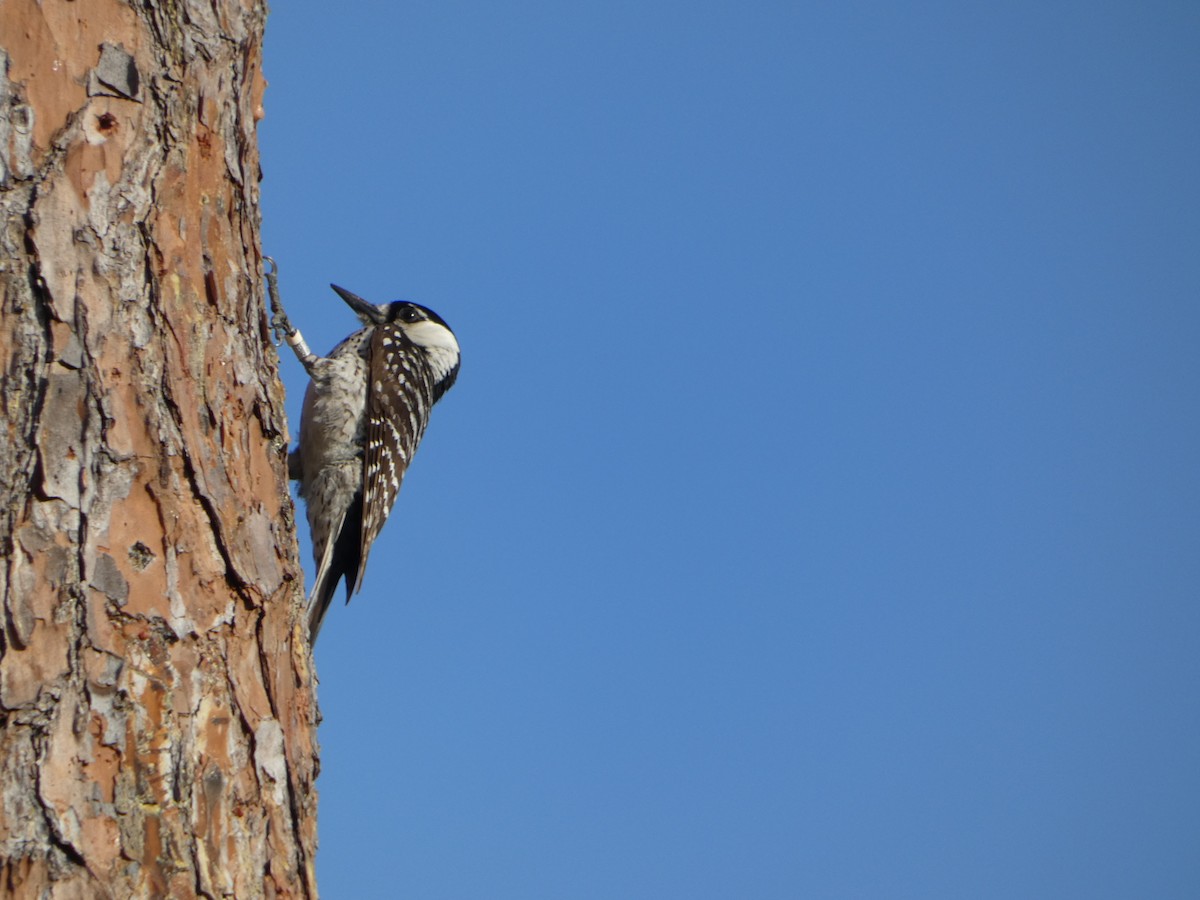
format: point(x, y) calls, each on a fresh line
point(412, 314)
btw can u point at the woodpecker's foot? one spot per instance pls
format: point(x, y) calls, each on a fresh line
point(281, 325)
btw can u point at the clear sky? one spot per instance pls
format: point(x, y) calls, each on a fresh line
point(817, 513)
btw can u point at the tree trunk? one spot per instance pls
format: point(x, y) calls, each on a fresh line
point(157, 708)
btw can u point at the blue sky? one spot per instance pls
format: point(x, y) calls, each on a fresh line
point(817, 513)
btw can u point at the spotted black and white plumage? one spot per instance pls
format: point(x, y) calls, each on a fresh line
point(364, 415)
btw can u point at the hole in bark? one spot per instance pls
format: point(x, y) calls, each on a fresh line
point(210, 288)
point(140, 556)
point(106, 122)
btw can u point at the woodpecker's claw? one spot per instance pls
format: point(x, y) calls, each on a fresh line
point(280, 326)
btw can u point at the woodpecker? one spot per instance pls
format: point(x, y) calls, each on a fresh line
point(364, 414)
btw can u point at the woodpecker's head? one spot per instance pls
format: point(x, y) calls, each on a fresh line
point(427, 331)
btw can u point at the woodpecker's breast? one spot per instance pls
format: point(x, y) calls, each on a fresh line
point(332, 423)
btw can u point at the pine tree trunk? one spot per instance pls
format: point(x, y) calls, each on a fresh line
point(157, 709)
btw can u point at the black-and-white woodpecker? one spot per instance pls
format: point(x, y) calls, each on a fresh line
point(364, 414)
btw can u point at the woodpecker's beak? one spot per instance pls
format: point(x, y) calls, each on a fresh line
point(369, 313)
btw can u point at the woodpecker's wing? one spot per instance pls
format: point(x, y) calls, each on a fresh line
point(398, 387)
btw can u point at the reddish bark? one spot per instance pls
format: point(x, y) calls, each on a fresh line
point(156, 694)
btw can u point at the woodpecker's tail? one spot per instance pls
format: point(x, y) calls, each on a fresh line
point(318, 605)
point(341, 560)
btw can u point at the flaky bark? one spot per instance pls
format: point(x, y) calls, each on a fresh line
point(157, 715)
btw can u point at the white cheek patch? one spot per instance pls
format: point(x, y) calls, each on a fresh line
point(441, 349)
point(432, 336)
